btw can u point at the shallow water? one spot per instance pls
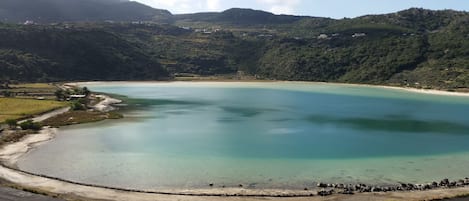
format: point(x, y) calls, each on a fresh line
point(262, 135)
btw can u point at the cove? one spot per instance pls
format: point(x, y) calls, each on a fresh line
point(184, 135)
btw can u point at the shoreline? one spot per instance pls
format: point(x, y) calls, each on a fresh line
point(106, 104)
point(10, 153)
point(408, 89)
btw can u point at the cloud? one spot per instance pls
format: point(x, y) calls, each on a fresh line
point(280, 6)
point(213, 4)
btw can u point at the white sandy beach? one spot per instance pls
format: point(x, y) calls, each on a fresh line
point(10, 153)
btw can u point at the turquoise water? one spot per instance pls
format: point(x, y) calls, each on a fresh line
point(262, 135)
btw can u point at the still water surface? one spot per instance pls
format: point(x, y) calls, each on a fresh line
point(263, 135)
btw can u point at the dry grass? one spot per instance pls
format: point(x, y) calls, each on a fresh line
point(34, 86)
point(17, 108)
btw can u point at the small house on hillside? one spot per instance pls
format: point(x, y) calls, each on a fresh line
point(323, 36)
point(77, 96)
point(29, 22)
point(357, 35)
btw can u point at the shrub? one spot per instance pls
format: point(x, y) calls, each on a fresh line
point(30, 125)
point(76, 105)
point(11, 123)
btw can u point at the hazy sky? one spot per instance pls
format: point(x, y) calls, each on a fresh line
point(322, 8)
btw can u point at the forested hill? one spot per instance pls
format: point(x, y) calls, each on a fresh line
point(238, 17)
point(414, 47)
point(50, 11)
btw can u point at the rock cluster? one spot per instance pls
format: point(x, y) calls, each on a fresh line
point(329, 189)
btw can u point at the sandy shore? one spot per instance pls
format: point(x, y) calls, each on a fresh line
point(409, 89)
point(415, 90)
point(10, 154)
point(106, 104)
point(66, 188)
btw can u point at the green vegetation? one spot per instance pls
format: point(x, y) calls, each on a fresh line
point(77, 105)
point(47, 11)
point(12, 123)
point(79, 117)
point(32, 90)
point(30, 125)
point(415, 47)
point(17, 108)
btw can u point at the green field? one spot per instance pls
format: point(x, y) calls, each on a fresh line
point(16, 108)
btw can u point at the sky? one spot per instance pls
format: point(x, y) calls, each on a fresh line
point(320, 8)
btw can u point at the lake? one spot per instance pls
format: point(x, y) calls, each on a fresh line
point(184, 135)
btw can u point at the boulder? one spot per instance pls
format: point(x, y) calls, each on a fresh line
point(452, 184)
point(376, 189)
point(427, 187)
point(444, 182)
point(322, 185)
point(324, 192)
point(348, 192)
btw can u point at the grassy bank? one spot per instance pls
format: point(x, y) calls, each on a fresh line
point(17, 108)
point(80, 117)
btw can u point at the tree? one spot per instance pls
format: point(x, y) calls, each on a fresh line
point(76, 105)
point(86, 91)
point(59, 94)
point(11, 123)
point(7, 94)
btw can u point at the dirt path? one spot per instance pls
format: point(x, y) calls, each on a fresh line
point(48, 115)
point(51, 114)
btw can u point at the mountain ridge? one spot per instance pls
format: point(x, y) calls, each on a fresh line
point(414, 47)
point(51, 11)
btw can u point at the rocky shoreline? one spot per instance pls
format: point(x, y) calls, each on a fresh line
point(350, 189)
point(443, 189)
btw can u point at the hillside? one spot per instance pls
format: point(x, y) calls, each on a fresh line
point(237, 17)
point(47, 53)
point(49, 11)
point(414, 47)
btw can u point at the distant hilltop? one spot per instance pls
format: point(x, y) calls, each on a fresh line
point(52, 11)
point(56, 11)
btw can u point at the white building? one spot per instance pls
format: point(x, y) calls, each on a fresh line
point(357, 35)
point(323, 36)
point(29, 22)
